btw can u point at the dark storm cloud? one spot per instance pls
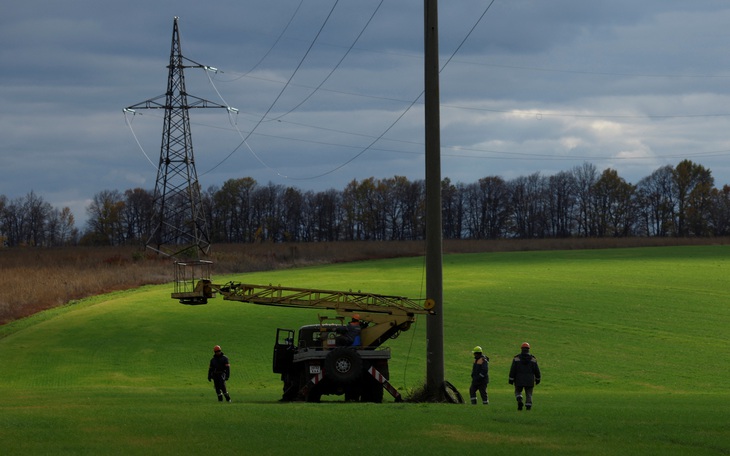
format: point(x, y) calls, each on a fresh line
point(537, 87)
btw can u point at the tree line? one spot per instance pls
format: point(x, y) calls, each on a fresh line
point(679, 201)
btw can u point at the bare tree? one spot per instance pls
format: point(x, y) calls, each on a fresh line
point(105, 218)
point(3, 231)
point(585, 176)
point(137, 214)
point(61, 228)
point(562, 197)
point(13, 220)
point(452, 201)
point(324, 215)
point(694, 185)
point(37, 212)
point(527, 197)
point(267, 213)
point(487, 208)
point(615, 208)
point(293, 214)
point(233, 218)
point(656, 195)
point(719, 216)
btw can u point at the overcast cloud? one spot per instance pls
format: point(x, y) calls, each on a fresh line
point(538, 86)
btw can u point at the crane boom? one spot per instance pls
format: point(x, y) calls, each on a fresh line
point(346, 301)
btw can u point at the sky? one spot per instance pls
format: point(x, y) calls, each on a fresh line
point(327, 91)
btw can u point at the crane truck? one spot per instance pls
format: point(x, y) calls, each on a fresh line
point(319, 361)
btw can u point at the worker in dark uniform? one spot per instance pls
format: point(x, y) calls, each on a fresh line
point(219, 372)
point(479, 376)
point(524, 374)
point(349, 336)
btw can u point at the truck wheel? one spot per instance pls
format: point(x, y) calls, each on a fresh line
point(343, 365)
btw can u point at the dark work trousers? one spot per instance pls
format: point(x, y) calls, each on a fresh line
point(220, 386)
point(528, 395)
point(482, 388)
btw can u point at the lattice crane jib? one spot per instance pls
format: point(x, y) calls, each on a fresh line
point(179, 228)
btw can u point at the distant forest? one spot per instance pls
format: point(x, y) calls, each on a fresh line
point(679, 201)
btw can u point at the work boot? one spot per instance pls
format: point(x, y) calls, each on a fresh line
point(220, 398)
point(228, 398)
point(528, 406)
point(473, 401)
point(519, 403)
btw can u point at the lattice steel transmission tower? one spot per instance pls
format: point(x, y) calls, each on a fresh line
point(179, 226)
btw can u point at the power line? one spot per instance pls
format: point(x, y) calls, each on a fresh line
point(452, 151)
point(379, 137)
point(271, 106)
point(484, 13)
point(507, 111)
point(411, 103)
point(291, 19)
point(129, 124)
point(316, 89)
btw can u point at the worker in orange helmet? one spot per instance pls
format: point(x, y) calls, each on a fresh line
point(524, 374)
point(219, 371)
point(354, 329)
point(349, 335)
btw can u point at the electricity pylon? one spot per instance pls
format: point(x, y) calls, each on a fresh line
point(179, 225)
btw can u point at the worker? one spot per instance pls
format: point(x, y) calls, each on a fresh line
point(354, 329)
point(349, 336)
point(479, 376)
point(524, 375)
point(219, 371)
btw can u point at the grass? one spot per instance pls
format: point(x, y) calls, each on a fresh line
point(36, 279)
point(631, 343)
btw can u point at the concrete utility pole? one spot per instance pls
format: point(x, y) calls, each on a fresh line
point(434, 243)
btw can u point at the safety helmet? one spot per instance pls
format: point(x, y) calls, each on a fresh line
point(217, 348)
point(356, 317)
point(477, 349)
point(525, 345)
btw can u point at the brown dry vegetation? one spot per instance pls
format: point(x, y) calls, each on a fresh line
point(36, 279)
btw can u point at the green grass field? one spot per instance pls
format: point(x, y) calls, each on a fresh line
point(632, 344)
